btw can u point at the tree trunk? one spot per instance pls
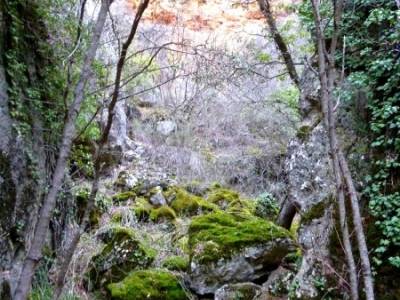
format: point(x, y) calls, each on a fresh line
point(279, 41)
point(35, 251)
point(326, 62)
point(357, 220)
point(102, 143)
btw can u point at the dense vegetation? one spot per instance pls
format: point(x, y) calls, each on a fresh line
point(196, 166)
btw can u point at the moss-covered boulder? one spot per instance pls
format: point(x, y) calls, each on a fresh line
point(121, 254)
point(185, 203)
point(163, 213)
point(222, 196)
point(148, 284)
point(229, 248)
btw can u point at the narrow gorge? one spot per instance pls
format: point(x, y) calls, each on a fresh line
point(208, 149)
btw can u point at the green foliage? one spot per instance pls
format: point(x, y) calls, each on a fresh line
point(288, 97)
point(34, 78)
point(148, 284)
point(375, 66)
point(266, 206)
point(220, 234)
point(176, 263)
point(82, 159)
point(42, 288)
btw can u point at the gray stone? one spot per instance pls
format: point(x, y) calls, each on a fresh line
point(238, 291)
point(248, 264)
point(158, 198)
point(166, 127)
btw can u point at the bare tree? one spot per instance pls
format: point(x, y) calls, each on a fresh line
point(99, 151)
point(279, 41)
point(34, 254)
point(289, 210)
point(327, 74)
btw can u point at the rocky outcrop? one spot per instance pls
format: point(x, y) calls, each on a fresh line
point(311, 190)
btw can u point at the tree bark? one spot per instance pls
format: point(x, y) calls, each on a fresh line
point(279, 41)
point(101, 145)
point(35, 251)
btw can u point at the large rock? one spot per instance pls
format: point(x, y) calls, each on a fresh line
point(227, 248)
point(158, 199)
point(311, 189)
point(121, 254)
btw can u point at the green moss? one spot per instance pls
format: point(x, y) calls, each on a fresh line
point(120, 197)
point(183, 244)
point(95, 216)
point(185, 203)
point(242, 207)
point(162, 213)
point(116, 217)
point(116, 233)
point(176, 263)
point(294, 227)
point(304, 132)
point(122, 253)
point(220, 234)
point(222, 196)
point(315, 212)
point(195, 187)
point(142, 208)
point(148, 284)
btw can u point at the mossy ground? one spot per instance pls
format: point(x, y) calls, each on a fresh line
point(220, 234)
point(148, 284)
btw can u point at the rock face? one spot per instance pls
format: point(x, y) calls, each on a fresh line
point(238, 291)
point(311, 189)
point(227, 248)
